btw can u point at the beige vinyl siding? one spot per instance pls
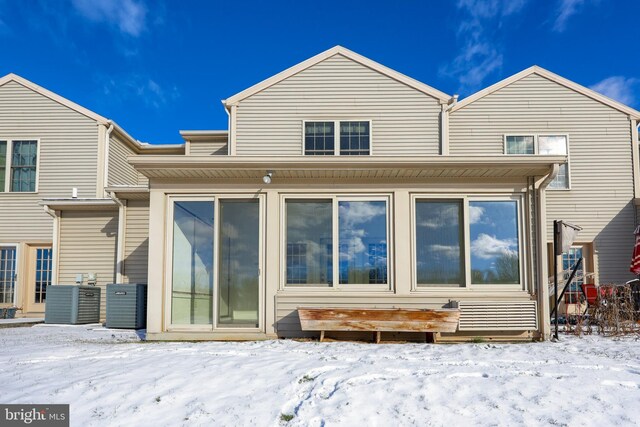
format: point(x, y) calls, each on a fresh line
point(208, 148)
point(120, 171)
point(404, 120)
point(600, 199)
point(136, 242)
point(88, 245)
point(68, 158)
point(288, 322)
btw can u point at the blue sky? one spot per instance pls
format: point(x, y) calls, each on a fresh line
point(157, 67)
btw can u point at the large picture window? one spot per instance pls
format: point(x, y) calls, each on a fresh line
point(467, 241)
point(336, 237)
point(439, 242)
point(495, 246)
point(18, 166)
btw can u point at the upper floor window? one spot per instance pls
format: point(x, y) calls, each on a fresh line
point(320, 137)
point(18, 165)
point(542, 144)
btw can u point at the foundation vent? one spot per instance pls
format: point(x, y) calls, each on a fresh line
point(498, 316)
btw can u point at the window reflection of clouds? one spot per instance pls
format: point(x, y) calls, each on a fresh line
point(309, 247)
point(363, 242)
point(438, 243)
point(494, 242)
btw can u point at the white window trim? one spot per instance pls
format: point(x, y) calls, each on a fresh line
point(7, 176)
point(466, 238)
point(335, 286)
point(213, 327)
point(536, 151)
point(336, 135)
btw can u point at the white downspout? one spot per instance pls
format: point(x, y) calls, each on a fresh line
point(544, 311)
point(122, 212)
point(444, 124)
point(106, 154)
point(55, 244)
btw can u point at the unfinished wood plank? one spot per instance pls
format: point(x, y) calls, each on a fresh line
point(321, 336)
point(387, 320)
point(378, 337)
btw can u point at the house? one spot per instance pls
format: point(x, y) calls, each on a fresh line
point(53, 149)
point(343, 183)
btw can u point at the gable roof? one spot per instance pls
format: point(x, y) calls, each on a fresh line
point(53, 96)
point(336, 50)
point(550, 76)
point(136, 144)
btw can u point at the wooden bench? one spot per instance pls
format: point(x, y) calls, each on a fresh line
point(378, 320)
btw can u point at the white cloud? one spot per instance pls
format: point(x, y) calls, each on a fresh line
point(138, 87)
point(128, 16)
point(566, 9)
point(620, 88)
point(479, 56)
point(488, 247)
point(360, 212)
point(475, 214)
point(448, 251)
point(441, 216)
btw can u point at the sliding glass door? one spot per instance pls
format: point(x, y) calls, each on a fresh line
point(239, 263)
point(215, 262)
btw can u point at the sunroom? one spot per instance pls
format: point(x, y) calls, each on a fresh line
point(233, 255)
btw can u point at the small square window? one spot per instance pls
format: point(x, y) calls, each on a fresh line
point(319, 138)
point(354, 138)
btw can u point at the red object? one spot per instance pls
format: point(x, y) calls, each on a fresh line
point(635, 260)
point(590, 292)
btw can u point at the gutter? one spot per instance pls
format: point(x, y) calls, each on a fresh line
point(554, 173)
point(544, 309)
point(106, 153)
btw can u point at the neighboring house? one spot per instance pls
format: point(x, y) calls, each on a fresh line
point(343, 183)
point(54, 149)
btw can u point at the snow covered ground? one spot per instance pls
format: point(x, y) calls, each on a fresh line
point(112, 378)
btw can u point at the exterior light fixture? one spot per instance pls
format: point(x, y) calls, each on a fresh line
point(267, 178)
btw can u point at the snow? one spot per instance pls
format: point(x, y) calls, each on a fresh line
point(111, 377)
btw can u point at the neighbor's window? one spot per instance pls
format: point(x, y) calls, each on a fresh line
point(439, 242)
point(361, 248)
point(569, 260)
point(23, 166)
point(320, 137)
point(495, 246)
point(44, 264)
point(520, 144)
point(3, 164)
point(543, 144)
point(556, 144)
